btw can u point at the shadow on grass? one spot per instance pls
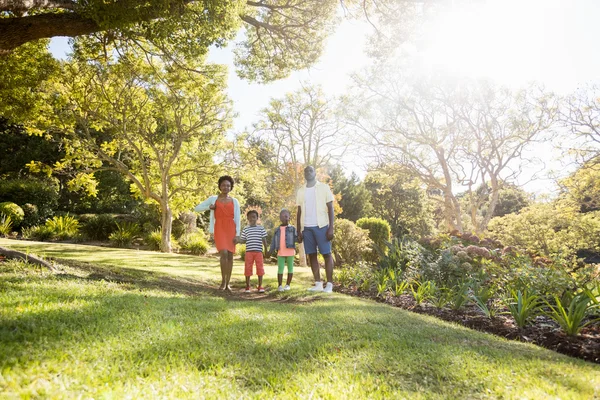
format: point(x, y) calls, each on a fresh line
point(266, 344)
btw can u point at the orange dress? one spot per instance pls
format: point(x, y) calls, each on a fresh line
point(224, 232)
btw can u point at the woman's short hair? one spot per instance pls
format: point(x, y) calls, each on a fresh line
point(225, 178)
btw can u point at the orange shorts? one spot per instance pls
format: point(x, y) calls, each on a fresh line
point(251, 258)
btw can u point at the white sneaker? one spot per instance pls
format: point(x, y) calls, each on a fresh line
point(286, 287)
point(328, 288)
point(280, 289)
point(317, 288)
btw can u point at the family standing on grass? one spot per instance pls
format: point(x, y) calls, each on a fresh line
point(314, 219)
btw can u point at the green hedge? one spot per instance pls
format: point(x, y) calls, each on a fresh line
point(379, 233)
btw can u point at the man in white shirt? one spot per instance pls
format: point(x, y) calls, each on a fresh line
point(315, 220)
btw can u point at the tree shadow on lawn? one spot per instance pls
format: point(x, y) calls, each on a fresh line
point(143, 279)
point(278, 346)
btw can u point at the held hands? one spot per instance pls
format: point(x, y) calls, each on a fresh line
point(237, 240)
point(212, 207)
point(299, 237)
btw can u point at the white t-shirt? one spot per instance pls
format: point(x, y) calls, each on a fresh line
point(310, 214)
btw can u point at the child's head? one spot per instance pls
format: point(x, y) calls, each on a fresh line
point(252, 216)
point(284, 216)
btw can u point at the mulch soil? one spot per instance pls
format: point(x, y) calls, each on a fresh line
point(543, 331)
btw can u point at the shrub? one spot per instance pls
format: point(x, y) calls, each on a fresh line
point(405, 257)
point(350, 243)
point(571, 318)
point(195, 243)
point(13, 211)
point(5, 225)
point(63, 227)
point(125, 234)
point(240, 250)
point(422, 291)
point(379, 233)
point(154, 239)
point(43, 194)
point(32, 215)
point(99, 227)
point(522, 306)
point(39, 232)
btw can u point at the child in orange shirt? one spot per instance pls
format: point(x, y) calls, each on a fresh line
point(284, 241)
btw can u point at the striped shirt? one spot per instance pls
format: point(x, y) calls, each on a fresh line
point(253, 236)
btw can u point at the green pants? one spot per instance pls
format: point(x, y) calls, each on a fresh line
point(281, 261)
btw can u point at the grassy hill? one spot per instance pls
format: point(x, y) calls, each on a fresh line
point(147, 325)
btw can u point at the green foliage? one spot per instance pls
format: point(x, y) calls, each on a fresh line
point(397, 197)
point(240, 250)
point(195, 243)
point(355, 198)
point(39, 232)
point(63, 227)
point(379, 233)
point(125, 234)
point(154, 239)
point(404, 257)
point(489, 310)
point(5, 225)
point(582, 188)
point(422, 291)
point(381, 280)
point(13, 211)
point(522, 306)
point(26, 70)
point(31, 215)
point(460, 295)
point(549, 229)
point(441, 296)
point(99, 227)
point(41, 193)
point(350, 243)
point(572, 316)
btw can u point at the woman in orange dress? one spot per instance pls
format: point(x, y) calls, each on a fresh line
point(224, 225)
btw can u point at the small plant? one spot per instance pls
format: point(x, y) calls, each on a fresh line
point(5, 225)
point(441, 296)
point(488, 310)
point(154, 240)
point(343, 276)
point(365, 284)
point(422, 292)
point(39, 232)
point(460, 296)
point(124, 235)
point(522, 306)
point(571, 319)
point(63, 227)
point(381, 279)
point(195, 243)
point(99, 227)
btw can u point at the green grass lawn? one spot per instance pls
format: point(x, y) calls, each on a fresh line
point(75, 335)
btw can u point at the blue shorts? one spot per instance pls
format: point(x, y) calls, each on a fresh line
point(314, 237)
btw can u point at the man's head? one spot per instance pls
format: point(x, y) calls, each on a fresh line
point(310, 174)
point(252, 216)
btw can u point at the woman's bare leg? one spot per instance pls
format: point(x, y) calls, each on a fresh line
point(229, 269)
point(223, 262)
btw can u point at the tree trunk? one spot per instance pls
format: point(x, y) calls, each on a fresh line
point(165, 228)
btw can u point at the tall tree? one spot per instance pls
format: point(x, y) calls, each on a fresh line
point(25, 74)
point(355, 198)
point(304, 129)
point(580, 114)
point(452, 135)
point(280, 35)
point(398, 198)
point(160, 127)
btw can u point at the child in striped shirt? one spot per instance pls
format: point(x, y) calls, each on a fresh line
point(255, 238)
